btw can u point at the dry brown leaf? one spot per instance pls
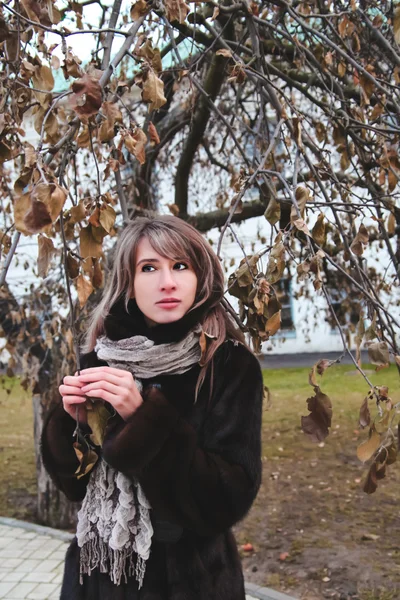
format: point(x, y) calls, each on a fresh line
point(139, 9)
point(367, 449)
point(89, 245)
point(98, 274)
point(322, 365)
point(365, 415)
point(176, 10)
point(378, 353)
point(4, 30)
point(320, 131)
point(396, 24)
point(55, 62)
point(276, 263)
point(46, 251)
point(21, 206)
point(297, 132)
point(360, 332)
point(224, 52)
point(392, 180)
point(30, 156)
point(215, 13)
point(344, 160)
point(87, 459)
point(301, 225)
point(318, 231)
point(273, 211)
point(37, 218)
point(107, 217)
point(360, 241)
point(53, 197)
point(303, 270)
point(316, 424)
point(273, 324)
point(43, 79)
point(52, 129)
point(87, 97)
point(153, 135)
point(369, 537)
point(302, 195)
point(78, 212)
point(204, 341)
point(136, 144)
point(151, 55)
point(71, 66)
point(84, 288)
point(72, 266)
point(5, 241)
point(32, 9)
point(371, 484)
point(97, 416)
point(173, 209)
point(112, 116)
point(391, 225)
point(83, 139)
point(153, 91)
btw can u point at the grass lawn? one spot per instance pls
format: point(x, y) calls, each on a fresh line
point(315, 533)
point(17, 456)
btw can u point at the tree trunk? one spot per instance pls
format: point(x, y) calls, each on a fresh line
point(53, 508)
point(47, 367)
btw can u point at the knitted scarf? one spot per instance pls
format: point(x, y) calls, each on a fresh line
point(114, 528)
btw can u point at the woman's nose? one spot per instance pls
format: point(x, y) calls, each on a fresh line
point(167, 280)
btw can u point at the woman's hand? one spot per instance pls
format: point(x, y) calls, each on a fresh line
point(115, 386)
point(73, 397)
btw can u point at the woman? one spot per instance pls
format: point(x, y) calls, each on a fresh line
point(180, 460)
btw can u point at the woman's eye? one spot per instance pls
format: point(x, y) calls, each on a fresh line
point(147, 268)
point(180, 266)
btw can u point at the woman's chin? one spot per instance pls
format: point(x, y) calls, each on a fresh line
point(164, 318)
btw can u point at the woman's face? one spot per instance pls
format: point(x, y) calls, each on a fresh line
point(164, 289)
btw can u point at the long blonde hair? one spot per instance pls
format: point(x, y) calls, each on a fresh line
point(173, 238)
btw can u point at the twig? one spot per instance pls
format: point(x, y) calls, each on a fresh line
point(249, 183)
point(11, 252)
point(110, 35)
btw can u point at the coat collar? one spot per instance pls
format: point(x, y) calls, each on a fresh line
point(121, 323)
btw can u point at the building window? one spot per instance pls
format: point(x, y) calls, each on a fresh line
point(283, 290)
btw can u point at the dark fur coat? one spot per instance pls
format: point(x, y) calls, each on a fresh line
point(198, 462)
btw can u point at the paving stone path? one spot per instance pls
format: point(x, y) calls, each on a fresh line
point(32, 563)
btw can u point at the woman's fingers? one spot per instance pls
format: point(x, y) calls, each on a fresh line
point(72, 380)
point(103, 384)
point(75, 407)
point(107, 396)
point(73, 399)
point(105, 376)
point(116, 386)
point(68, 390)
point(110, 370)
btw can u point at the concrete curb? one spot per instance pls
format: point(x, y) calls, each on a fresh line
point(263, 593)
point(256, 591)
point(54, 533)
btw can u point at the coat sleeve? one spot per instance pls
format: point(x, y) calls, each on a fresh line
point(58, 454)
point(205, 485)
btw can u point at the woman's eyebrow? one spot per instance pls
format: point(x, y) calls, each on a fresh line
point(147, 260)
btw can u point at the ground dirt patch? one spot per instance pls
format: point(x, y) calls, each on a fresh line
point(315, 533)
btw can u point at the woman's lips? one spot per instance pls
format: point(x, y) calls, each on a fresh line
point(169, 303)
